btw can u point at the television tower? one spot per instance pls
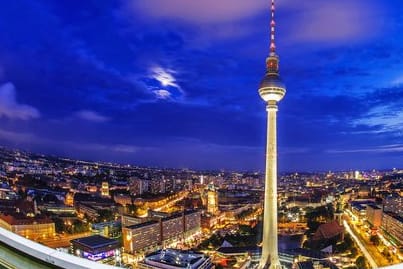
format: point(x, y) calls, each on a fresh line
point(271, 90)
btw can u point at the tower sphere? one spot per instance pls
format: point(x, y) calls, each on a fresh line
point(271, 88)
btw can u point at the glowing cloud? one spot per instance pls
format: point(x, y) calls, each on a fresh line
point(164, 76)
point(11, 109)
point(334, 21)
point(162, 94)
point(197, 12)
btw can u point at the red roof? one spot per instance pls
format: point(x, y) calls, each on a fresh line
point(328, 231)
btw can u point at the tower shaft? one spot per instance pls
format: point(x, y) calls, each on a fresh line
point(270, 243)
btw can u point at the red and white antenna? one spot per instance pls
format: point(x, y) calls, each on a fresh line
point(272, 29)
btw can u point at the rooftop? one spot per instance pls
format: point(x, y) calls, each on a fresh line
point(20, 219)
point(177, 258)
point(328, 230)
point(95, 241)
point(373, 206)
point(143, 224)
point(313, 265)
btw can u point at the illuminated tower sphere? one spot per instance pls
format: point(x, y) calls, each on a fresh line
point(272, 90)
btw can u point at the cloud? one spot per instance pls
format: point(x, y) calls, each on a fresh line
point(102, 147)
point(387, 119)
point(10, 108)
point(334, 21)
point(125, 148)
point(90, 115)
point(31, 139)
point(160, 77)
point(198, 12)
point(16, 137)
point(308, 21)
point(162, 94)
point(378, 149)
point(398, 81)
point(164, 76)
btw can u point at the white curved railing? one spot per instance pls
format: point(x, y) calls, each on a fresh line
point(63, 260)
point(46, 254)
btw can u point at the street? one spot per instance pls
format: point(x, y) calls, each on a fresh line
point(369, 258)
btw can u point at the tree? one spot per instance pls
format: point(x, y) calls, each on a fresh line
point(348, 241)
point(313, 225)
point(361, 263)
point(354, 251)
point(375, 240)
point(132, 209)
point(77, 227)
point(330, 211)
point(386, 253)
point(342, 247)
point(59, 225)
point(105, 215)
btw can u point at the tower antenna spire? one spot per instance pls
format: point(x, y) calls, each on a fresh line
point(272, 29)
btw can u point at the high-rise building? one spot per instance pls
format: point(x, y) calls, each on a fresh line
point(392, 224)
point(374, 215)
point(212, 200)
point(105, 189)
point(271, 90)
point(159, 230)
point(393, 203)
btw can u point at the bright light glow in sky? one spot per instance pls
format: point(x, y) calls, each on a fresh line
point(165, 77)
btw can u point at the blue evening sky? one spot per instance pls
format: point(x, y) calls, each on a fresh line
point(173, 83)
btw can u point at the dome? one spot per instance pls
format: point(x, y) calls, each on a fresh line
point(271, 88)
point(271, 81)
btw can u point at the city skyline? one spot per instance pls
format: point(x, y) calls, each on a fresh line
point(175, 87)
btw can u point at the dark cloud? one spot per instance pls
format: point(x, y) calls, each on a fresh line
point(88, 70)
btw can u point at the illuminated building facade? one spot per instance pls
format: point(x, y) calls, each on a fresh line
point(111, 229)
point(130, 220)
point(271, 90)
point(30, 227)
point(69, 199)
point(122, 199)
point(212, 200)
point(393, 225)
point(172, 228)
point(192, 223)
point(393, 203)
point(142, 237)
point(87, 209)
point(96, 248)
point(105, 189)
point(374, 215)
point(158, 232)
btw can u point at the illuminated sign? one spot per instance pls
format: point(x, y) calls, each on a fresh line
point(98, 256)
